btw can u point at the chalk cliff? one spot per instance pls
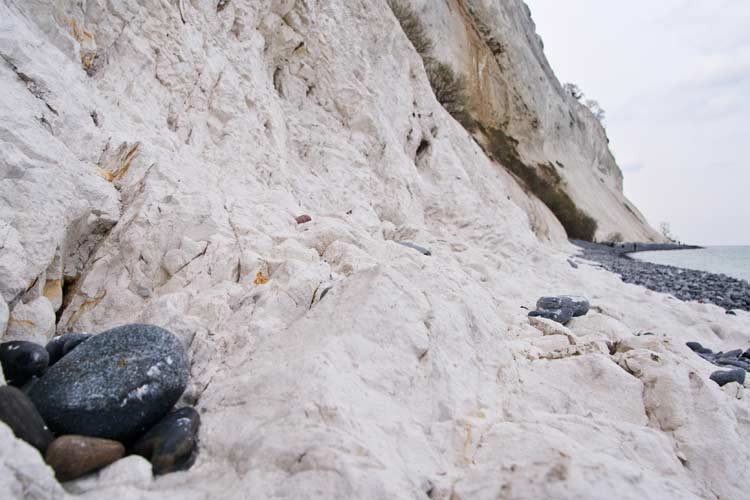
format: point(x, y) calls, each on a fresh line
point(153, 158)
point(518, 104)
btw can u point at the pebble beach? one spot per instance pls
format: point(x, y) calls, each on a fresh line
point(685, 284)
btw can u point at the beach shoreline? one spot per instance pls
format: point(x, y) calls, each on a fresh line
point(684, 284)
point(628, 248)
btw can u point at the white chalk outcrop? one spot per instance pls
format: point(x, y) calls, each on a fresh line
point(154, 156)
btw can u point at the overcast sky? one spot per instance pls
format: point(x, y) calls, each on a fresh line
point(674, 79)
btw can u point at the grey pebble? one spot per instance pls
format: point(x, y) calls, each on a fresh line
point(725, 377)
point(418, 248)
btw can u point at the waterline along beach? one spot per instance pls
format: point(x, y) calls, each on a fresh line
point(732, 261)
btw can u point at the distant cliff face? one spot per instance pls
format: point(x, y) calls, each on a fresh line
point(524, 119)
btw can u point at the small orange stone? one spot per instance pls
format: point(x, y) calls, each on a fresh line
point(260, 279)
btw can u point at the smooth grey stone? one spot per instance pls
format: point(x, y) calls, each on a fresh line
point(116, 385)
point(559, 315)
point(733, 362)
point(695, 346)
point(731, 313)
point(731, 354)
point(699, 349)
point(419, 249)
point(710, 357)
point(22, 360)
point(18, 412)
point(723, 378)
point(171, 443)
point(578, 305)
point(62, 345)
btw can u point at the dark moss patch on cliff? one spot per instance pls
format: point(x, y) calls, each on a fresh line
point(544, 182)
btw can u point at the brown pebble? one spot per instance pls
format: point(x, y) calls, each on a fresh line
point(302, 219)
point(73, 456)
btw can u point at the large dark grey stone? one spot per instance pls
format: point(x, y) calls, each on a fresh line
point(115, 385)
point(22, 360)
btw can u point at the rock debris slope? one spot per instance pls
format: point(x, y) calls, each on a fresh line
point(155, 155)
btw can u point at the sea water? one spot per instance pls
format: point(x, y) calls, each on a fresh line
point(732, 261)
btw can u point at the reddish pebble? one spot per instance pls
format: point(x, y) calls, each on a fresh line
point(302, 219)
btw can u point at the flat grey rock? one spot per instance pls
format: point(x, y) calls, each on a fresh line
point(578, 305)
point(561, 316)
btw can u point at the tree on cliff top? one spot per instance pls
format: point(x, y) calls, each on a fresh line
point(573, 91)
point(576, 93)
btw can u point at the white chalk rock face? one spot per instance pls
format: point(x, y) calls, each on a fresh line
point(126, 474)
point(155, 156)
point(51, 199)
point(4, 315)
point(33, 321)
point(23, 473)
